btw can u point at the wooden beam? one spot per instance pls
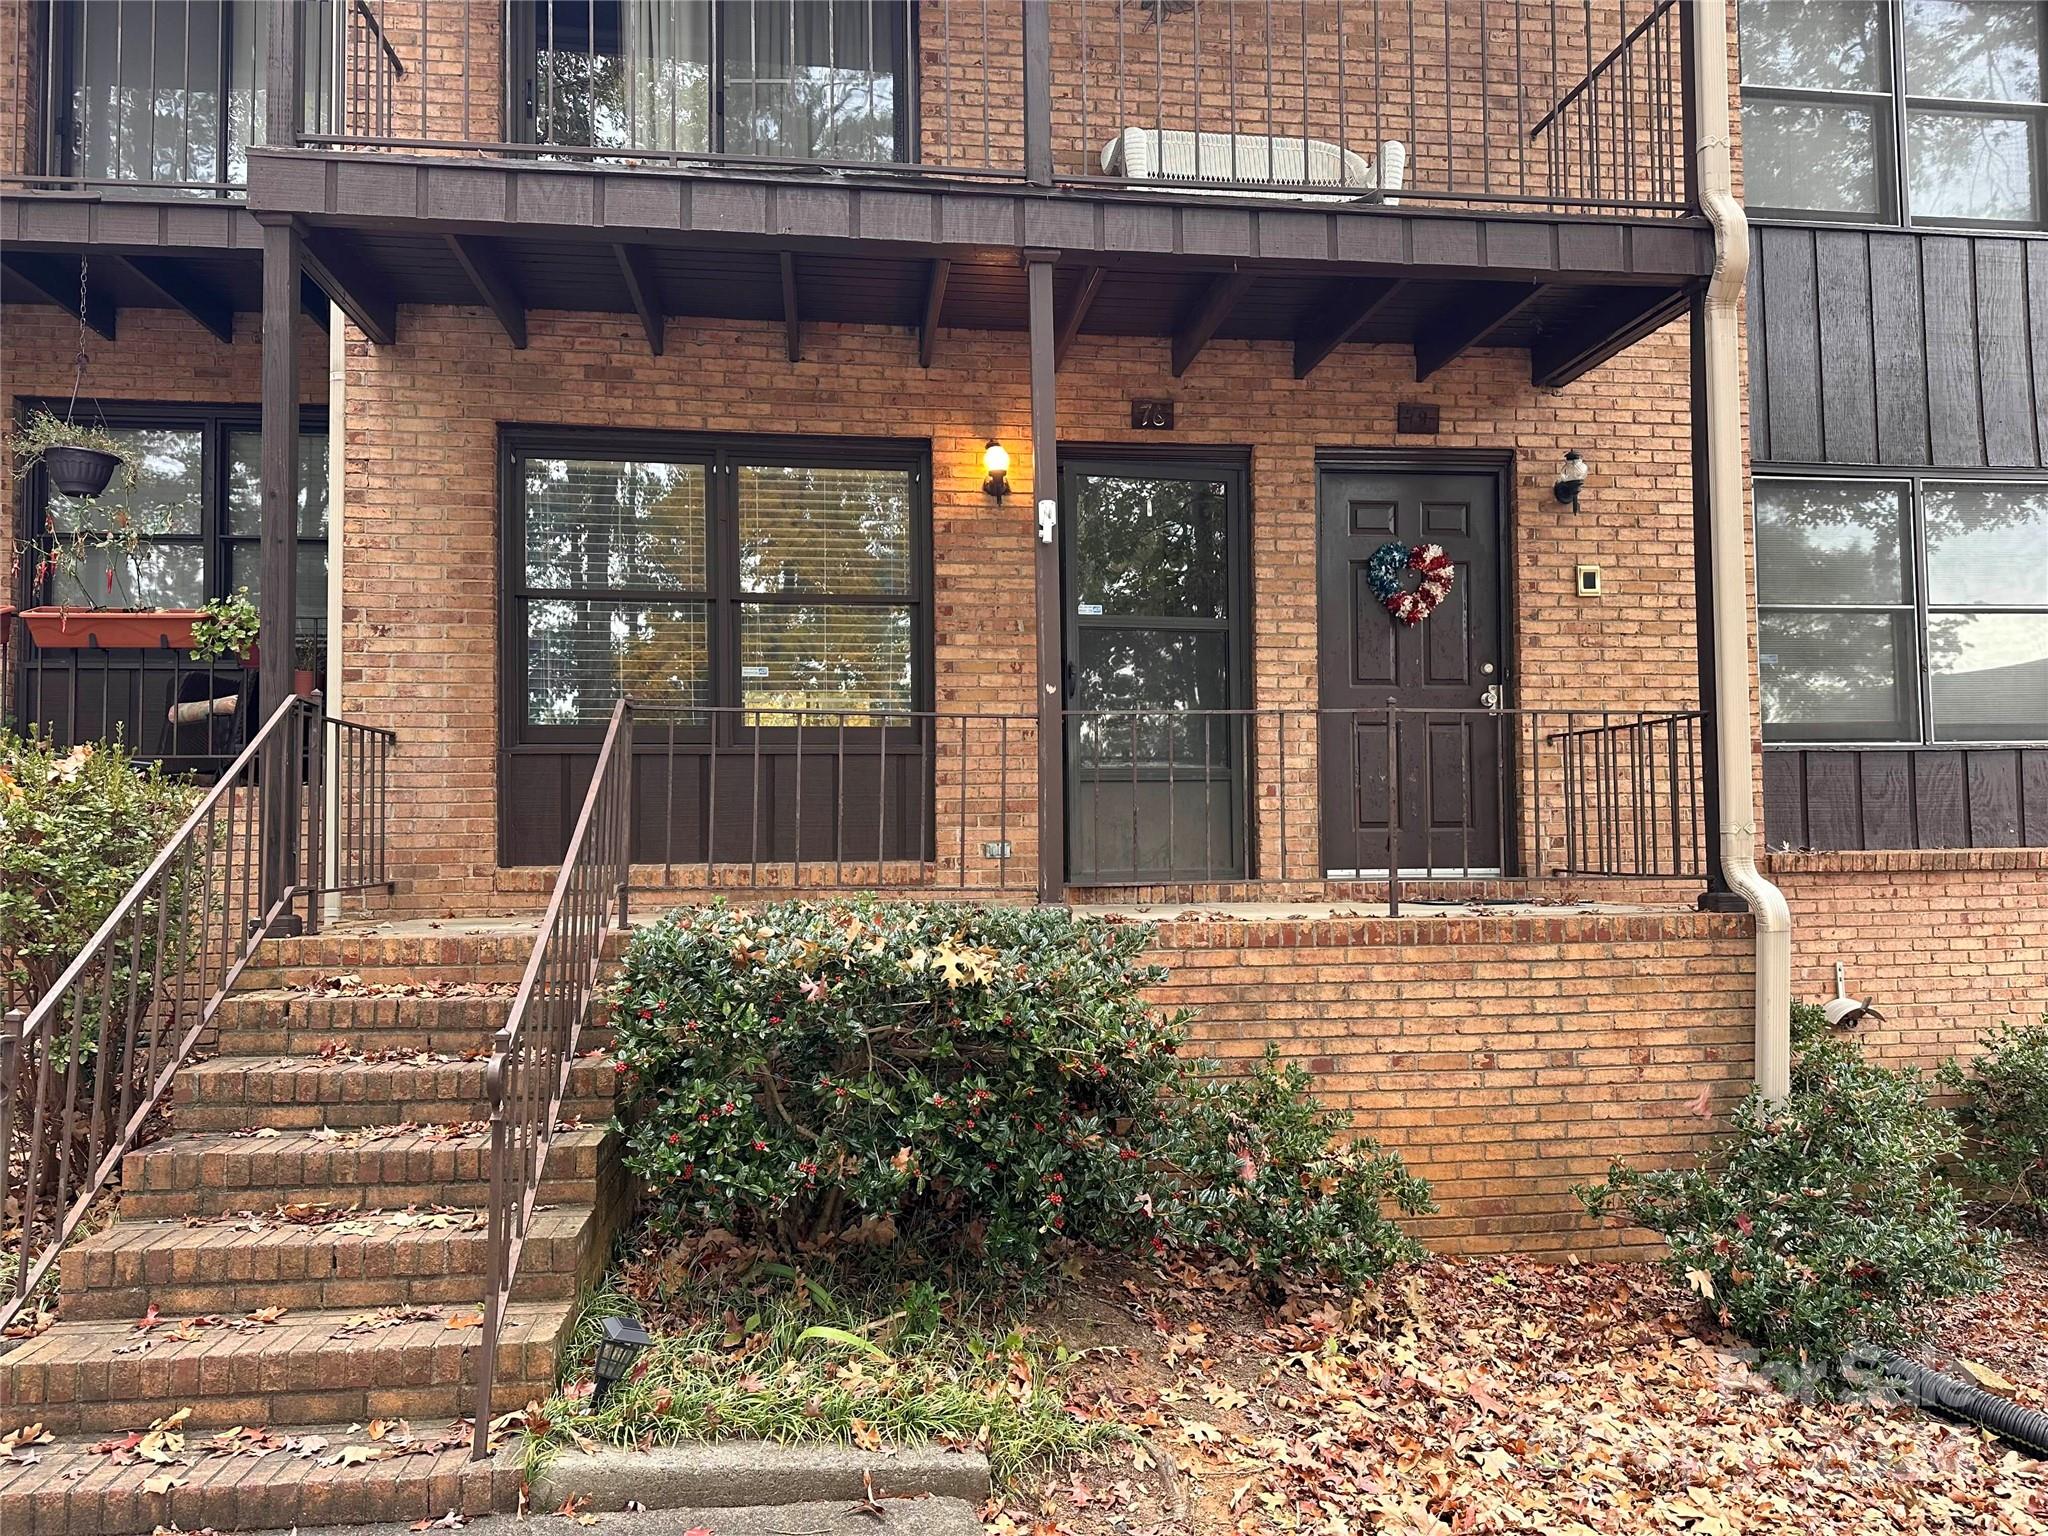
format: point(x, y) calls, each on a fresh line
point(1050, 621)
point(636, 266)
point(313, 301)
point(792, 321)
point(1341, 315)
point(1068, 325)
point(278, 549)
point(1575, 350)
point(487, 275)
point(333, 262)
point(55, 280)
point(934, 303)
point(1462, 324)
point(1214, 307)
point(179, 290)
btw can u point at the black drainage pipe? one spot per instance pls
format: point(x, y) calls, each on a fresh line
point(1953, 1397)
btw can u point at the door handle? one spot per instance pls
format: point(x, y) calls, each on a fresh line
point(1491, 698)
point(1070, 679)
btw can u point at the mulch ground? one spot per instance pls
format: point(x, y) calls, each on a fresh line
point(1503, 1395)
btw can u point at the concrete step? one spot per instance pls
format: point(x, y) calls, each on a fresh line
point(229, 1093)
point(321, 1367)
point(382, 1258)
point(453, 956)
point(215, 1173)
point(75, 1488)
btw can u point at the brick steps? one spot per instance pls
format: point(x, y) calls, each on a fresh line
point(275, 1021)
point(89, 1377)
point(230, 1093)
point(232, 1269)
point(74, 1489)
point(214, 1173)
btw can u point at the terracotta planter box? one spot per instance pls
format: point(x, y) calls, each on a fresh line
point(111, 629)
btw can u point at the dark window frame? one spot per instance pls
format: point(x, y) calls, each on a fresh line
point(1918, 606)
point(721, 454)
point(523, 75)
point(1893, 108)
point(215, 423)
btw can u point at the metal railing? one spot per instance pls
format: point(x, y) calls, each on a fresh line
point(84, 1073)
point(1537, 103)
point(533, 1053)
point(1496, 800)
point(1613, 139)
point(191, 716)
point(750, 798)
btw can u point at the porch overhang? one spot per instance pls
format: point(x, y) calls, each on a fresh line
point(911, 252)
point(203, 257)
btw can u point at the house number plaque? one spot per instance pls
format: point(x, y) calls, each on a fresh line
point(1152, 415)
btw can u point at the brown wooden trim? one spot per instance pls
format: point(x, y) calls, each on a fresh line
point(792, 318)
point(331, 261)
point(486, 274)
point(1045, 491)
point(1078, 304)
point(1342, 315)
point(1616, 326)
point(55, 278)
point(1462, 323)
point(1905, 797)
point(643, 292)
point(1201, 323)
point(179, 290)
point(934, 306)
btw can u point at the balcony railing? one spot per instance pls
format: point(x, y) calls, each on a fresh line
point(1476, 103)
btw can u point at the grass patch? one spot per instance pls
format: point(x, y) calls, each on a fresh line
point(749, 1347)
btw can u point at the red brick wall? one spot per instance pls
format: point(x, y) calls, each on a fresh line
point(1506, 1060)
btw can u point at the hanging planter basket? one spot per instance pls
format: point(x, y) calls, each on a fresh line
point(80, 471)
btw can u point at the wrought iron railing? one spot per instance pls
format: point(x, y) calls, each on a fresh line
point(191, 716)
point(84, 1073)
point(533, 1053)
point(1489, 103)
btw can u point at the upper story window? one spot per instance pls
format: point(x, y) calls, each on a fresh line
point(1926, 111)
point(169, 95)
point(1902, 609)
point(821, 80)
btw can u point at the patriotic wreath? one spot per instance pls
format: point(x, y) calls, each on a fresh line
point(1411, 605)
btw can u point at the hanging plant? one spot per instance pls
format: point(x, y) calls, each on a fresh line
point(80, 460)
point(226, 627)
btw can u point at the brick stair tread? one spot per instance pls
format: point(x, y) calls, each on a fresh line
point(234, 1092)
point(294, 1021)
point(231, 1267)
point(74, 1488)
point(216, 1172)
point(87, 1376)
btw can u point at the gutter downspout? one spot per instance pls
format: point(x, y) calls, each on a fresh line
point(330, 685)
point(1718, 337)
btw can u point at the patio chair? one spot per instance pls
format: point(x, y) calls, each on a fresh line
point(1284, 161)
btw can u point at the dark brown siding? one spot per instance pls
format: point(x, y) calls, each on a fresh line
point(1906, 797)
point(1897, 347)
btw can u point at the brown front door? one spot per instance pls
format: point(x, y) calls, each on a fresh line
point(1437, 681)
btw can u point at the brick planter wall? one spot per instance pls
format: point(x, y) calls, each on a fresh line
point(1505, 1059)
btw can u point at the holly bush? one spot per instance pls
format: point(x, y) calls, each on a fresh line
point(1825, 1221)
point(2005, 1114)
point(981, 1081)
point(76, 829)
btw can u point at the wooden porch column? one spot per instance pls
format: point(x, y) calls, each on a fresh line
point(279, 607)
point(1045, 492)
point(1037, 93)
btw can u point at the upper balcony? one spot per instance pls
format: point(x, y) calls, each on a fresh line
point(1467, 103)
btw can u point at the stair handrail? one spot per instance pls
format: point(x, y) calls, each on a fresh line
point(158, 967)
point(535, 1050)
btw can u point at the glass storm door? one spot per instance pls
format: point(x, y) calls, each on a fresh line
point(1156, 610)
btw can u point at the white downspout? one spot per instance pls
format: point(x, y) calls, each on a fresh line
point(1734, 762)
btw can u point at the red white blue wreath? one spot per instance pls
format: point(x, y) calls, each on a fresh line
point(1411, 605)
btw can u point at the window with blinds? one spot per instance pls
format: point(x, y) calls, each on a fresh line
point(706, 579)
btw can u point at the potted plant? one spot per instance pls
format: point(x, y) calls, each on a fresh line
point(227, 627)
point(80, 460)
point(309, 665)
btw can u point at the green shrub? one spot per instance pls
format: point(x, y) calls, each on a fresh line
point(1824, 1222)
point(2005, 1114)
point(76, 829)
point(973, 1079)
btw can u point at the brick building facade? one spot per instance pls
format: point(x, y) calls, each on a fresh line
point(1506, 1048)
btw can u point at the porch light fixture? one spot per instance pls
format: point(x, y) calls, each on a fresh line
point(995, 458)
point(1569, 479)
point(621, 1345)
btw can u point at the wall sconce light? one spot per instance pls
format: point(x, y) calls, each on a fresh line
point(1569, 479)
point(995, 458)
point(620, 1346)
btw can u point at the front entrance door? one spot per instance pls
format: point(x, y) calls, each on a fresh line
point(1440, 677)
point(1156, 623)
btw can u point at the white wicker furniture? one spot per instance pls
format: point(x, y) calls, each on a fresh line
point(1278, 160)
